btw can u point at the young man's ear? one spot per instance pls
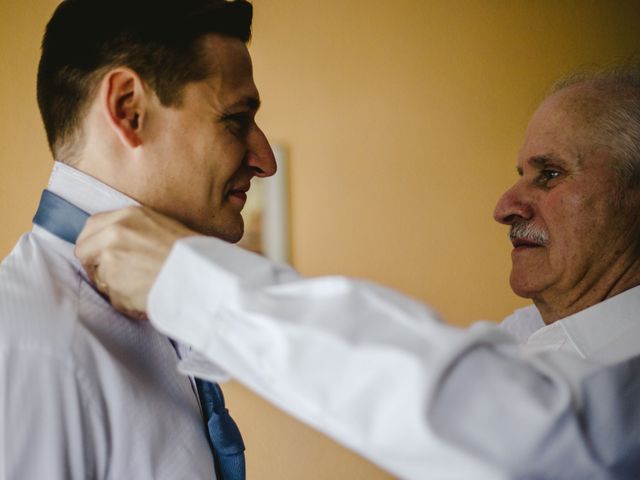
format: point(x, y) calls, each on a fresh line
point(123, 97)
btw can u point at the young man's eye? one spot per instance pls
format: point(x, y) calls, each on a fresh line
point(238, 123)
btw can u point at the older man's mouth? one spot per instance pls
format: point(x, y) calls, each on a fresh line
point(526, 236)
point(521, 244)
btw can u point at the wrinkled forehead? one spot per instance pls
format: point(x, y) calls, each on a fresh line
point(563, 126)
point(581, 105)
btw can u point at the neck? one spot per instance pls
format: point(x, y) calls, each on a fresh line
point(555, 306)
point(111, 170)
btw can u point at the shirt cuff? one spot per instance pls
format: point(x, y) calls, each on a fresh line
point(185, 299)
point(197, 365)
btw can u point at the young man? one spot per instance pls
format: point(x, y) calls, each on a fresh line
point(144, 103)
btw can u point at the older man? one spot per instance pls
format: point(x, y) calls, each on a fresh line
point(573, 214)
point(146, 102)
point(555, 397)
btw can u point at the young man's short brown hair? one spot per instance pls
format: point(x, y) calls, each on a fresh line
point(159, 39)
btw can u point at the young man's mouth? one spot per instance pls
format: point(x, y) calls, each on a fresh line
point(239, 195)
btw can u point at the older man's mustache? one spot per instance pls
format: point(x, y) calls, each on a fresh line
point(528, 232)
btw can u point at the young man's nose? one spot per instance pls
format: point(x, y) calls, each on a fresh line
point(260, 157)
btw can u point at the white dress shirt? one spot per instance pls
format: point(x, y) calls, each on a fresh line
point(85, 392)
point(379, 373)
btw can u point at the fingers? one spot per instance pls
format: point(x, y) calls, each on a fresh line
point(97, 280)
point(101, 235)
point(101, 221)
point(123, 252)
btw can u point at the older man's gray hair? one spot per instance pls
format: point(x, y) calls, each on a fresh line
point(609, 111)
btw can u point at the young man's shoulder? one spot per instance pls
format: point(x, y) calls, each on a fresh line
point(39, 297)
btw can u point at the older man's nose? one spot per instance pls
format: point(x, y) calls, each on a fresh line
point(260, 157)
point(512, 206)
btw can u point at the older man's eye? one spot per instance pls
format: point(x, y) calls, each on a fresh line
point(547, 175)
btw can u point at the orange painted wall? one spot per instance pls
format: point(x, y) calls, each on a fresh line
point(402, 119)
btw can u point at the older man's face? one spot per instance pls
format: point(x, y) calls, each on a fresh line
point(569, 229)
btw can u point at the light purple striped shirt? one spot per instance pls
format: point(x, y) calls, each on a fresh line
point(86, 392)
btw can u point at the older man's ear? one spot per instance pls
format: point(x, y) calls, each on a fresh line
point(124, 100)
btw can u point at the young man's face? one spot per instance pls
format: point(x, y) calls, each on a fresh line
point(206, 151)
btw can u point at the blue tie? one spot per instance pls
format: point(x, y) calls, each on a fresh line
point(66, 221)
point(227, 444)
point(59, 217)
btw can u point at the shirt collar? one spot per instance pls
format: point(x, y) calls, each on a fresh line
point(84, 191)
point(607, 331)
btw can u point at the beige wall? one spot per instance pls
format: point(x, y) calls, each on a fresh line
point(402, 118)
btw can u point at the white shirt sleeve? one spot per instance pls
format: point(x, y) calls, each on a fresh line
point(378, 372)
point(49, 427)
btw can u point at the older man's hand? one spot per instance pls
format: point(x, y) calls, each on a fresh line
point(123, 252)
